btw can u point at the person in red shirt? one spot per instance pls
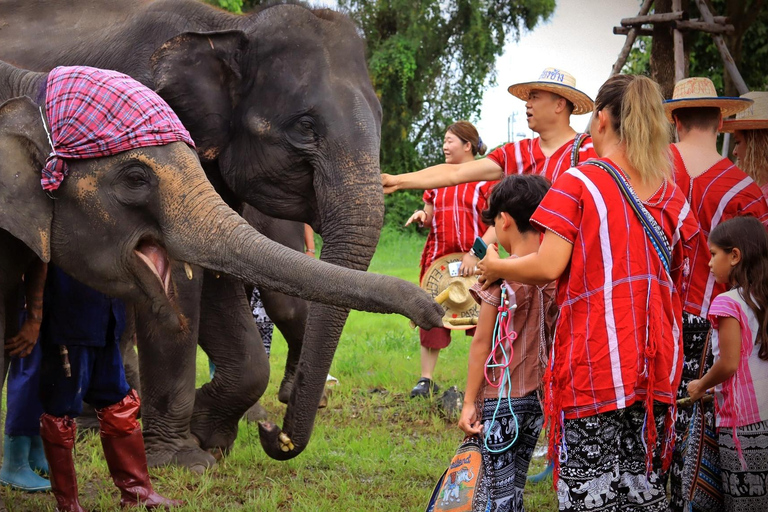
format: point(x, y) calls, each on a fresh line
point(453, 215)
point(549, 103)
point(716, 190)
point(615, 236)
point(750, 136)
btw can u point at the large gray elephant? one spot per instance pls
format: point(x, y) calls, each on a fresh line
point(119, 223)
point(282, 110)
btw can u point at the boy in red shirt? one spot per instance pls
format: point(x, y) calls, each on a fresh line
point(716, 190)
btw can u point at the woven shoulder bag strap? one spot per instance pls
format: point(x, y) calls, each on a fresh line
point(652, 229)
point(577, 142)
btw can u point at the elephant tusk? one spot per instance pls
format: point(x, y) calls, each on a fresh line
point(188, 270)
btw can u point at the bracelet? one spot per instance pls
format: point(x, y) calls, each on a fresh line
point(310, 251)
point(472, 252)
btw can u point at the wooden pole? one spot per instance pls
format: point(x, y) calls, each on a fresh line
point(730, 66)
point(679, 46)
point(712, 28)
point(665, 17)
point(630, 41)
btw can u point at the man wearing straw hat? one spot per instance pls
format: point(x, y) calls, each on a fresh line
point(549, 103)
point(717, 190)
point(751, 138)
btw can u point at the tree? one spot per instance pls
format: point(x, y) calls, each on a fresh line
point(748, 46)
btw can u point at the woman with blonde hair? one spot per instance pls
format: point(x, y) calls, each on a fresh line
point(750, 133)
point(614, 230)
point(453, 215)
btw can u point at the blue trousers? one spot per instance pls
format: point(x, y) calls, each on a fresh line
point(98, 378)
point(24, 407)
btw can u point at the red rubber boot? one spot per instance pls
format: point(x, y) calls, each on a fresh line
point(58, 435)
point(123, 446)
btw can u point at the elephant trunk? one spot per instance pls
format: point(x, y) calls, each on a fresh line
point(349, 243)
point(201, 229)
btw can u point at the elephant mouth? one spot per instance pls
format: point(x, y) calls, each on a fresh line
point(156, 258)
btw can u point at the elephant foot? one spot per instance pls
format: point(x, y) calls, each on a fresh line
point(187, 455)
point(217, 437)
point(256, 413)
point(286, 387)
point(87, 424)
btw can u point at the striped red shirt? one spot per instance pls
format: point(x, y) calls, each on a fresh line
point(525, 157)
point(457, 221)
point(620, 314)
point(720, 193)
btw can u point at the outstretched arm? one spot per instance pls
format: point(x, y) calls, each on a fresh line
point(539, 268)
point(443, 175)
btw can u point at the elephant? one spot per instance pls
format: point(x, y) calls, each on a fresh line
point(285, 119)
point(125, 224)
point(455, 479)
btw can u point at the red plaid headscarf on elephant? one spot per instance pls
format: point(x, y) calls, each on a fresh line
point(93, 112)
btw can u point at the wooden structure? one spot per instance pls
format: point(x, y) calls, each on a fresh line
point(678, 19)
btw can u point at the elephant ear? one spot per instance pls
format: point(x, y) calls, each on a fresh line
point(198, 74)
point(26, 211)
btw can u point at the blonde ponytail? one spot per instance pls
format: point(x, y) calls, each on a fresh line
point(636, 108)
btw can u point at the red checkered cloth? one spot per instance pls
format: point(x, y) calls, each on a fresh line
point(93, 113)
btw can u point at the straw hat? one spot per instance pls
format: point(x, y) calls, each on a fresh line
point(558, 82)
point(753, 118)
point(451, 292)
point(698, 91)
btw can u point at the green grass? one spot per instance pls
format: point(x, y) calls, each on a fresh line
point(373, 448)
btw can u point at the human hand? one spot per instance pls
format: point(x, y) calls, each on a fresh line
point(389, 182)
point(22, 344)
point(487, 267)
point(419, 216)
point(468, 420)
point(695, 390)
point(468, 265)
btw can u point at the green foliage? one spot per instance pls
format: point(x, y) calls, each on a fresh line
point(429, 62)
point(704, 57)
point(235, 6)
point(373, 448)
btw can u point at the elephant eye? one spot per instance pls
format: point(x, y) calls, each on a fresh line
point(136, 177)
point(306, 125)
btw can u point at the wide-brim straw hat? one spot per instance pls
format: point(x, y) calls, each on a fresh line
point(558, 82)
point(452, 293)
point(699, 92)
point(755, 117)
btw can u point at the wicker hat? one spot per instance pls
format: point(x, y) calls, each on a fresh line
point(698, 92)
point(452, 293)
point(558, 82)
point(753, 118)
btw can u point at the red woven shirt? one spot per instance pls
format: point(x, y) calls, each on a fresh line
point(93, 113)
point(525, 157)
point(456, 221)
point(620, 314)
point(722, 192)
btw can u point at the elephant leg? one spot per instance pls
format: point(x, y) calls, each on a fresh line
point(229, 336)
point(290, 316)
point(167, 362)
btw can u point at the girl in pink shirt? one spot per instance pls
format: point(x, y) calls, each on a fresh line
point(739, 318)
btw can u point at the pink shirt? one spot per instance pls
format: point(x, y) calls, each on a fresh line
point(743, 398)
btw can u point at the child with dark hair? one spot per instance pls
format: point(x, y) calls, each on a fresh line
point(508, 355)
point(739, 317)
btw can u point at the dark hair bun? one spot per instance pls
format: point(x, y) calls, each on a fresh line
point(482, 148)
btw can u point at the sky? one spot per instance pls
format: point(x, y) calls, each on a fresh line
point(578, 38)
